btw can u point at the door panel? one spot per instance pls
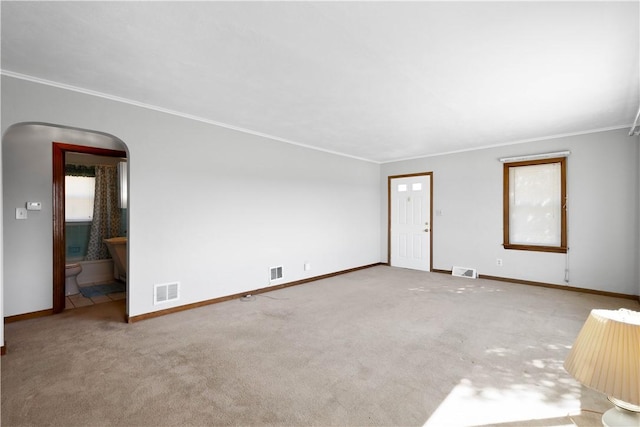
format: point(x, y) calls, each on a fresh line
point(410, 222)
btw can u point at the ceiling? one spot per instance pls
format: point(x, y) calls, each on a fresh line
point(380, 81)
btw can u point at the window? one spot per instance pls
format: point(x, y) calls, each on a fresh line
point(535, 215)
point(79, 193)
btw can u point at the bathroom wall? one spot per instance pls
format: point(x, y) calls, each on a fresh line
point(211, 208)
point(77, 239)
point(603, 192)
point(77, 236)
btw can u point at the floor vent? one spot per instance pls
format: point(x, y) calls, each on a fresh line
point(165, 292)
point(469, 273)
point(275, 273)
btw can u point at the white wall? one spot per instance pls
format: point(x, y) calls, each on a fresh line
point(27, 172)
point(1, 252)
point(214, 208)
point(209, 207)
point(603, 227)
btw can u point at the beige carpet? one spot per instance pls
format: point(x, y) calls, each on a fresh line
point(381, 346)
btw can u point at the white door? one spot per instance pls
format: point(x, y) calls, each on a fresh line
point(410, 234)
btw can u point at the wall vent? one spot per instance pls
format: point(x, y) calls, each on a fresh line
point(275, 273)
point(166, 292)
point(469, 273)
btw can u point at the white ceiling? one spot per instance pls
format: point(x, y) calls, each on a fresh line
point(374, 80)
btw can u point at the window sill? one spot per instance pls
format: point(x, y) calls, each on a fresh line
point(556, 249)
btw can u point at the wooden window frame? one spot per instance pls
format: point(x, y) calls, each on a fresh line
point(563, 208)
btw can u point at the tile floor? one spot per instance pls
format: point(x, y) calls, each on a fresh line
point(78, 300)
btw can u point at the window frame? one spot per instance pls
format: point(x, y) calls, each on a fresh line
point(563, 206)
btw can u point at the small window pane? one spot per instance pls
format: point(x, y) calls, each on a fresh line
point(417, 186)
point(79, 194)
point(402, 187)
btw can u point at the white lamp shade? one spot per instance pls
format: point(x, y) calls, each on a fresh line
point(606, 354)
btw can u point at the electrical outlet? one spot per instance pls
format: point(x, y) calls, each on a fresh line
point(307, 266)
point(499, 262)
point(21, 213)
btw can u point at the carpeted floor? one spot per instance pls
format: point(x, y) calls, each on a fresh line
point(381, 346)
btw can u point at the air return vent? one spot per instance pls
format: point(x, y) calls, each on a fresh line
point(275, 273)
point(469, 273)
point(166, 292)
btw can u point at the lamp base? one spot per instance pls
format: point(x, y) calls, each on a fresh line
point(617, 416)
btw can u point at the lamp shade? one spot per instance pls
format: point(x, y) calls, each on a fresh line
point(606, 354)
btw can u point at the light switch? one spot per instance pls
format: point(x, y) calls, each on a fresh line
point(21, 213)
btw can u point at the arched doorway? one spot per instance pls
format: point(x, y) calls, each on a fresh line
point(26, 145)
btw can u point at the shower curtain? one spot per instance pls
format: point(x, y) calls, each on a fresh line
point(106, 213)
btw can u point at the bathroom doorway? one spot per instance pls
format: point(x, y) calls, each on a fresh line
point(60, 151)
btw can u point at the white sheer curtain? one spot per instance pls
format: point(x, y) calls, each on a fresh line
point(535, 204)
point(106, 213)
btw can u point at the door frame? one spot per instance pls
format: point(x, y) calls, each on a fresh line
point(59, 253)
point(389, 179)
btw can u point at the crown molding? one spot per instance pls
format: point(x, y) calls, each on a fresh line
point(90, 92)
point(505, 144)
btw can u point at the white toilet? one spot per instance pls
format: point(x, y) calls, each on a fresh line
point(71, 272)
